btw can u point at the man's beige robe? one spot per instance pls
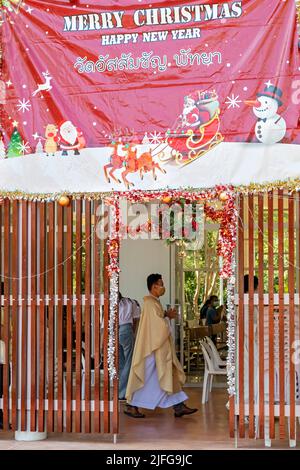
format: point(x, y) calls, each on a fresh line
point(154, 337)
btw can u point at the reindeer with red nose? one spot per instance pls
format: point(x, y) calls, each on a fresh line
point(133, 163)
point(116, 162)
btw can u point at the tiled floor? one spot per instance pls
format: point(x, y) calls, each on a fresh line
point(208, 429)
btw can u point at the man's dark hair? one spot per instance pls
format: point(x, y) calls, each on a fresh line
point(246, 283)
point(213, 297)
point(152, 279)
point(120, 296)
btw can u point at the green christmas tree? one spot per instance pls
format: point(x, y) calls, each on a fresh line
point(14, 146)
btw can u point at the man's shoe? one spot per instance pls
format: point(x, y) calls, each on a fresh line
point(133, 412)
point(184, 410)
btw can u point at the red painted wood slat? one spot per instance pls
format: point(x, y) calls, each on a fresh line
point(251, 316)
point(291, 283)
point(78, 313)
point(261, 318)
point(69, 268)
point(51, 324)
point(271, 312)
point(15, 319)
point(24, 315)
point(33, 314)
point(281, 314)
point(6, 329)
point(241, 328)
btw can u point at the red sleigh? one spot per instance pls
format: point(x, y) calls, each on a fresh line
point(190, 145)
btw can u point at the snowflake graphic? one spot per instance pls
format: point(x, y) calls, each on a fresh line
point(24, 147)
point(233, 102)
point(155, 137)
point(24, 105)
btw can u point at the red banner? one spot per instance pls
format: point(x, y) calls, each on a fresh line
point(158, 84)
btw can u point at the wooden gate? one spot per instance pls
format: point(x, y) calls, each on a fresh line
point(267, 343)
point(55, 316)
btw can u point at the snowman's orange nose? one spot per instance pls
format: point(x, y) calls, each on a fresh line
point(253, 103)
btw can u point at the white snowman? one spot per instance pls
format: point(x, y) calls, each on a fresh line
point(270, 127)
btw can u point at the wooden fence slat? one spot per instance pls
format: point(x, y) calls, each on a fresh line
point(37, 257)
point(241, 328)
point(291, 283)
point(42, 316)
point(59, 314)
point(69, 268)
point(281, 314)
point(251, 317)
point(87, 316)
point(78, 313)
point(261, 314)
point(51, 324)
point(97, 320)
point(6, 329)
point(271, 312)
point(24, 314)
point(33, 313)
point(15, 320)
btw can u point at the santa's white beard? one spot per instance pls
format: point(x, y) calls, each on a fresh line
point(188, 109)
point(69, 134)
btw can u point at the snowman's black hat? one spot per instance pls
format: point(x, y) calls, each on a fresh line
point(272, 92)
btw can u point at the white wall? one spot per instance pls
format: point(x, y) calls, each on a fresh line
point(138, 259)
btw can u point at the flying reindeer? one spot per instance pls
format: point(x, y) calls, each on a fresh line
point(44, 86)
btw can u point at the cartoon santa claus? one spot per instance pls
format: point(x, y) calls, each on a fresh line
point(192, 116)
point(69, 138)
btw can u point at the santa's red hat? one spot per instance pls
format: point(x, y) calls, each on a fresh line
point(194, 96)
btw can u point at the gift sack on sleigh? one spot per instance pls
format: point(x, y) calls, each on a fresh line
point(197, 129)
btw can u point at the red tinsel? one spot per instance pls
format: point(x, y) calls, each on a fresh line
point(226, 217)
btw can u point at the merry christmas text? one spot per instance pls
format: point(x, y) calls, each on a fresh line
point(153, 16)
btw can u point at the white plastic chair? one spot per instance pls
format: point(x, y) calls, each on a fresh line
point(216, 356)
point(210, 371)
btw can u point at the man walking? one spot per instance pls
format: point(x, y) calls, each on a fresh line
point(156, 377)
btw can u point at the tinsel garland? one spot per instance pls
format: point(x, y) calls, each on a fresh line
point(231, 331)
point(227, 217)
point(290, 185)
point(113, 303)
point(113, 273)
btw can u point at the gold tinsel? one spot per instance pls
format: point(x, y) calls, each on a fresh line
point(290, 186)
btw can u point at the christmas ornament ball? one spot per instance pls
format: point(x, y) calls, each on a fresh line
point(64, 201)
point(223, 196)
point(167, 199)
